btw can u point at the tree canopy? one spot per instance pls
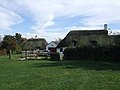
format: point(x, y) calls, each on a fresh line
point(12, 42)
point(9, 42)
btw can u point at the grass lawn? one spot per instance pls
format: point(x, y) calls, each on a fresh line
point(58, 75)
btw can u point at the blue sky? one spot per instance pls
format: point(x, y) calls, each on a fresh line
point(53, 19)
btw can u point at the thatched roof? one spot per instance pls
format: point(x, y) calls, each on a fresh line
point(76, 35)
point(39, 43)
point(88, 32)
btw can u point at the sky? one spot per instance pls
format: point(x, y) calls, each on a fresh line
point(53, 19)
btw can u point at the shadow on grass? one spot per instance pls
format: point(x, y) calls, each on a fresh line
point(88, 65)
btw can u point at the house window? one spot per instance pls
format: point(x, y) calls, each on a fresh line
point(93, 43)
point(52, 45)
point(61, 49)
point(74, 42)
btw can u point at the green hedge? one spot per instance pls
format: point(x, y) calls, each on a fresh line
point(54, 56)
point(92, 53)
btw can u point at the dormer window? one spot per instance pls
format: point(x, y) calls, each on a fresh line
point(74, 42)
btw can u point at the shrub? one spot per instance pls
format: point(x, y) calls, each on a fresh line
point(93, 53)
point(18, 51)
point(2, 52)
point(54, 56)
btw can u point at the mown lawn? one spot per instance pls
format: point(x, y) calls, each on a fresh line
point(58, 75)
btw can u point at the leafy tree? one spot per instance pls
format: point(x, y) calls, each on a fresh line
point(0, 38)
point(9, 43)
point(13, 43)
point(57, 41)
point(19, 42)
point(18, 38)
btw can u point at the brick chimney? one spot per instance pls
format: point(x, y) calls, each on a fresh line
point(105, 27)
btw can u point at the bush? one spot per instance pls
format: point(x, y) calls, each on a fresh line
point(2, 52)
point(18, 51)
point(55, 56)
point(93, 53)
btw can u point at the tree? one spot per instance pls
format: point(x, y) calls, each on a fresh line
point(18, 38)
point(57, 41)
point(12, 43)
point(0, 38)
point(19, 41)
point(9, 43)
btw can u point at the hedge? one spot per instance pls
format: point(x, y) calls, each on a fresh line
point(92, 53)
point(54, 56)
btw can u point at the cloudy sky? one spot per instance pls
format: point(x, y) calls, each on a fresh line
point(53, 19)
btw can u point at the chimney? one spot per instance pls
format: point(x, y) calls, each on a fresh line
point(105, 27)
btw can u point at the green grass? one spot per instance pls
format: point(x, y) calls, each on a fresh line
point(60, 75)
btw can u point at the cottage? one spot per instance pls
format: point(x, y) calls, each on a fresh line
point(51, 47)
point(34, 47)
point(79, 38)
point(34, 44)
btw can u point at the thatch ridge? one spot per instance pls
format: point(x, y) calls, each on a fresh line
point(89, 32)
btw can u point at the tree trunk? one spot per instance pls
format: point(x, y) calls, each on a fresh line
point(9, 54)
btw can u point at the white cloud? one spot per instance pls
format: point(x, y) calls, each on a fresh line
point(100, 11)
point(8, 18)
point(44, 12)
